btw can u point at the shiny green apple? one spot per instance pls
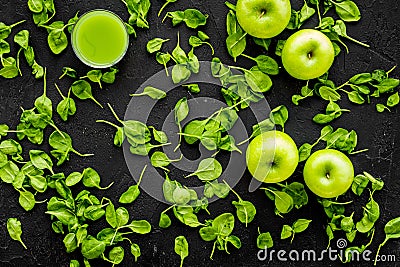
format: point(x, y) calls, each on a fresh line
point(272, 157)
point(263, 18)
point(328, 173)
point(307, 54)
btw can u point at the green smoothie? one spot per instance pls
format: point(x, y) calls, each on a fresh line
point(100, 38)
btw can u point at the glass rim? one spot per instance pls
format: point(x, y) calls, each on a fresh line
point(79, 54)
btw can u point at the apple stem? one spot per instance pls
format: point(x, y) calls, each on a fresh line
point(262, 13)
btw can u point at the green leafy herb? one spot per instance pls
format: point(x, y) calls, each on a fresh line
point(74, 263)
point(14, 229)
point(41, 160)
point(195, 41)
point(381, 108)
point(73, 179)
point(283, 201)
point(236, 40)
point(62, 146)
point(155, 45)
point(393, 100)
point(359, 184)
point(160, 160)
point(94, 76)
point(333, 111)
point(116, 255)
point(236, 44)
point(298, 226)
point(57, 39)
point(70, 242)
point(8, 171)
point(92, 248)
point(165, 220)
point(138, 11)
point(22, 39)
point(181, 111)
point(264, 240)
point(181, 248)
point(67, 106)
point(220, 230)
point(5, 30)
point(264, 43)
point(82, 90)
point(91, 178)
point(245, 210)
point(193, 88)
point(266, 64)
point(306, 148)
point(347, 10)
point(193, 18)
point(109, 76)
point(209, 169)
point(333, 208)
point(180, 73)
point(370, 216)
point(221, 190)
point(152, 92)
point(135, 251)
point(392, 231)
point(163, 59)
point(133, 191)
point(26, 200)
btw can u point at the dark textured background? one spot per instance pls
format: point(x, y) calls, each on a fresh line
point(379, 27)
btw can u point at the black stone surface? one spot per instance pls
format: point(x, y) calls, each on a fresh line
point(378, 27)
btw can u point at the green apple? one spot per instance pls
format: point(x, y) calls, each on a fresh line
point(272, 157)
point(328, 173)
point(263, 18)
point(307, 54)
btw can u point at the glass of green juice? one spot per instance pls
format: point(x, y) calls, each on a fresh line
point(100, 38)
